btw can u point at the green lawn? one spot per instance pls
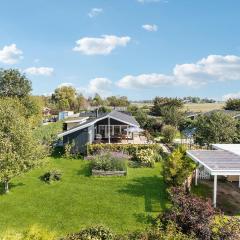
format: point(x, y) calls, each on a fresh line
point(79, 200)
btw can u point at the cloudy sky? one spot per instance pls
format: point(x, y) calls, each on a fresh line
point(138, 48)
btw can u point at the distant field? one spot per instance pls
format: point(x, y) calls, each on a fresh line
point(192, 107)
point(203, 107)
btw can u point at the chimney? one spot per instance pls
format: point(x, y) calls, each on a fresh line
point(97, 112)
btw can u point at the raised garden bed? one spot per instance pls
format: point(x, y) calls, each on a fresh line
point(108, 173)
point(108, 164)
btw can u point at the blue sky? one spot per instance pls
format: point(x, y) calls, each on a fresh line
point(138, 48)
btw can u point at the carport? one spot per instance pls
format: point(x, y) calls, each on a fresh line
point(218, 163)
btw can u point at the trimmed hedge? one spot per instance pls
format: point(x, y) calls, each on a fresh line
point(130, 149)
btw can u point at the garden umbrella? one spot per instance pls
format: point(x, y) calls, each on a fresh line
point(133, 130)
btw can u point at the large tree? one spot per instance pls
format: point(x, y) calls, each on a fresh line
point(115, 101)
point(19, 151)
point(170, 109)
point(160, 104)
point(14, 84)
point(216, 127)
point(65, 98)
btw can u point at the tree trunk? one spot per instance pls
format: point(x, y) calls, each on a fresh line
point(6, 187)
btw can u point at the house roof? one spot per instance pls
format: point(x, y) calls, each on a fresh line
point(218, 162)
point(119, 116)
point(233, 148)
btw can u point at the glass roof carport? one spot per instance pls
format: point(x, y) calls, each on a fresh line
point(217, 162)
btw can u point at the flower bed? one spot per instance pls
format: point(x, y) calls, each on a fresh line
point(108, 164)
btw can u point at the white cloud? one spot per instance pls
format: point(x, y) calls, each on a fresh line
point(95, 12)
point(66, 84)
point(231, 95)
point(10, 54)
point(103, 45)
point(214, 68)
point(98, 85)
point(45, 71)
point(150, 27)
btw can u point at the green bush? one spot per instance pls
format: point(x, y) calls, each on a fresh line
point(52, 175)
point(177, 168)
point(92, 233)
point(145, 157)
point(109, 162)
point(33, 233)
point(130, 149)
point(169, 132)
point(225, 227)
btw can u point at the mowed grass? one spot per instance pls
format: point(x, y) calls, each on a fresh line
point(79, 200)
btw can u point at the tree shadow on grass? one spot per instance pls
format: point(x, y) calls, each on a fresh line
point(152, 189)
point(11, 186)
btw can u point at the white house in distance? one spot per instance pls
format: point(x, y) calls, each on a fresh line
point(223, 160)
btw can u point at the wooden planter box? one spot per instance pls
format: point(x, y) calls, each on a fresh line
point(108, 173)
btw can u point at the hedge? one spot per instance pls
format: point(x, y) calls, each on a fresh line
point(130, 149)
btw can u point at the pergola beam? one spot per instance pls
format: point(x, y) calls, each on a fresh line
point(215, 191)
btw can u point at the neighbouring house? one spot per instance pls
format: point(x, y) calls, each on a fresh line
point(221, 162)
point(64, 114)
point(108, 127)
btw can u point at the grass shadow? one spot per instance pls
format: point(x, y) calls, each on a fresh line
point(152, 189)
point(85, 171)
point(11, 186)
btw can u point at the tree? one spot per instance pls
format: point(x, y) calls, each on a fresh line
point(173, 116)
point(97, 101)
point(33, 109)
point(170, 109)
point(65, 97)
point(216, 127)
point(19, 151)
point(114, 101)
point(14, 84)
point(160, 104)
point(233, 104)
point(82, 103)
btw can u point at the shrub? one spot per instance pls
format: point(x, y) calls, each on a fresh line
point(169, 232)
point(233, 104)
point(225, 228)
point(92, 233)
point(177, 168)
point(34, 233)
point(52, 175)
point(68, 150)
point(109, 162)
point(145, 157)
point(192, 215)
point(169, 132)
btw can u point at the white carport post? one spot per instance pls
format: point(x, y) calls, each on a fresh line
point(215, 191)
point(196, 176)
point(109, 136)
